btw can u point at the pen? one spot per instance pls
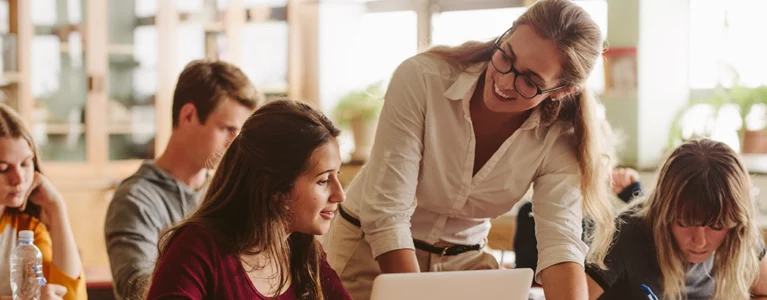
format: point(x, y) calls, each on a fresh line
point(649, 292)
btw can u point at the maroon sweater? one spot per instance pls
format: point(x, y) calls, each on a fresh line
point(194, 268)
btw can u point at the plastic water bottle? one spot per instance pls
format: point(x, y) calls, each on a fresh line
point(26, 268)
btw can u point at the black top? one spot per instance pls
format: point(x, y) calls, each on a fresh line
point(525, 243)
point(632, 261)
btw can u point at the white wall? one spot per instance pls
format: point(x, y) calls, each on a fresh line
point(339, 30)
point(663, 73)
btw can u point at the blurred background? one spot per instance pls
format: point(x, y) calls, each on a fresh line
point(95, 78)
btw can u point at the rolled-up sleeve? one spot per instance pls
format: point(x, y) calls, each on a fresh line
point(389, 192)
point(557, 207)
point(131, 233)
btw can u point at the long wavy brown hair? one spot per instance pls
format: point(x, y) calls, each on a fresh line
point(579, 40)
point(704, 183)
point(11, 126)
point(247, 203)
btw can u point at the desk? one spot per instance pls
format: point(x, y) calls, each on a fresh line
point(98, 281)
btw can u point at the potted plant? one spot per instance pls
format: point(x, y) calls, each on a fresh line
point(358, 110)
point(715, 101)
point(753, 141)
point(745, 99)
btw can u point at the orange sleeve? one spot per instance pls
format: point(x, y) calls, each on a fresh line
point(75, 286)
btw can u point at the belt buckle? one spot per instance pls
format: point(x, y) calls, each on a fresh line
point(444, 250)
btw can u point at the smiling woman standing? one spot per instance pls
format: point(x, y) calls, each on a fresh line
point(463, 134)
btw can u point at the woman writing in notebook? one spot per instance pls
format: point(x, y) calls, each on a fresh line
point(463, 133)
point(253, 235)
point(28, 201)
point(694, 237)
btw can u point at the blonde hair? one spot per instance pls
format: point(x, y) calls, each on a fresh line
point(703, 183)
point(579, 40)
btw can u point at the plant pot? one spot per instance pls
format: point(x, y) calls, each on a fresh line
point(364, 131)
point(754, 142)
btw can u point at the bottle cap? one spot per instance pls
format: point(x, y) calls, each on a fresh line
point(26, 235)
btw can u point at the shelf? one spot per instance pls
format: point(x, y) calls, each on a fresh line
point(115, 49)
point(120, 49)
point(211, 26)
point(62, 30)
point(64, 48)
point(267, 22)
point(755, 163)
point(121, 62)
point(208, 26)
point(8, 78)
point(63, 128)
point(134, 128)
point(218, 26)
point(266, 14)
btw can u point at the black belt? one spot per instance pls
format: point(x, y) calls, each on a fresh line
point(443, 251)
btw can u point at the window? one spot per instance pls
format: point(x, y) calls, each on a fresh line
point(356, 51)
point(386, 39)
point(453, 28)
point(725, 50)
point(146, 8)
point(192, 36)
point(265, 58)
point(725, 43)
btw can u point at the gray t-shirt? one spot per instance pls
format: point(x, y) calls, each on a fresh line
point(632, 261)
point(143, 206)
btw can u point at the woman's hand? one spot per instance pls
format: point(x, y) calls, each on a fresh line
point(54, 215)
point(52, 292)
point(43, 193)
point(48, 292)
point(622, 178)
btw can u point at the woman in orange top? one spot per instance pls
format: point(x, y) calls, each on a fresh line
point(28, 201)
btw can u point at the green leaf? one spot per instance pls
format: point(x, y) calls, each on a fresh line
point(362, 104)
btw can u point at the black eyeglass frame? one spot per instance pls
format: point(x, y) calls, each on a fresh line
point(512, 69)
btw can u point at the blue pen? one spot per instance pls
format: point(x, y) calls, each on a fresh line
point(649, 292)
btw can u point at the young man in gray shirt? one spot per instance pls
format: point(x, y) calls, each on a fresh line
point(211, 102)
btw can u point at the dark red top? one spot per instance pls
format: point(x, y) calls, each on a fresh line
point(194, 268)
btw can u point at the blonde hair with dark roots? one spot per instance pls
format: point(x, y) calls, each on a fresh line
point(579, 40)
point(703, 183)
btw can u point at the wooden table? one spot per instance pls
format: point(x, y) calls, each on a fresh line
point(98, 281)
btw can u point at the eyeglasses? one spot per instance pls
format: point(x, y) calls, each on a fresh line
point(502, 63)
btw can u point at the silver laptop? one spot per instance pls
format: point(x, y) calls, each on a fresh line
point(510, 284)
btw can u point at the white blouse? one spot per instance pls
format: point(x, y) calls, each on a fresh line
point(418, 182)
